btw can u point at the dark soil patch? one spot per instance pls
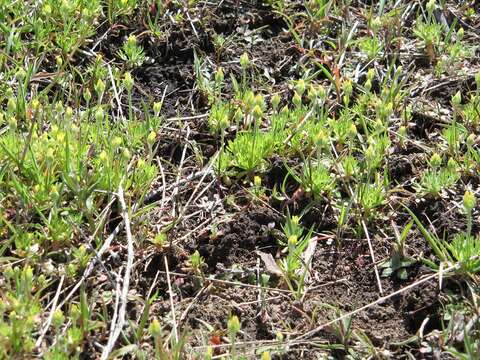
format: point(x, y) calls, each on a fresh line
point(247, 232)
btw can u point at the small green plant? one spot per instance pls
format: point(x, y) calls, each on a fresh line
point(294, 266)
point(233, 328)
point(399, 262)
point(437, 178)
point(132, 53)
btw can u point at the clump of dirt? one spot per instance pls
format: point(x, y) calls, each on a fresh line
point(246, 232)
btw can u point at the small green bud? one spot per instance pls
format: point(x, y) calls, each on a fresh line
point(297, 100)
point(68, 113)
point(11, 105)
point(368, 85)
point(157, 107)
point(233, 326)
point(20, 75)
point(452, 164)
point(460, 34)
point(275, 101)
point(87, 95)
point(471, 140)
point(58, 318)
point(257, 112)
point(435, 160)
point(312, 93)
point(457, 99)
point(152, 136)
point(249, 100)
point(266, 355)
point(103, 156)
point(155, 329)
point(370, 74)
point(12, 122)
point(402, 131)
point(469, 200)
point(322, 93)
point(352, 131)
point(117, 141)
point(259, 100)
point(238, 116)
point(132, 40)
point(300, 87)
point(128, 81)
point(219, 76)
point(292, 240)
point(376, 24)
point(100, 87)
point(347, 88)
point(431, 6)
point(126, 154)
point(244, 61)
point(58, 61)
point(99, 114)
point(257, 181)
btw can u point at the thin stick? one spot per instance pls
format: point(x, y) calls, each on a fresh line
point(115, 92)
point(126, 280)
point(172, 306)
point(50, 316)
point(372, 255)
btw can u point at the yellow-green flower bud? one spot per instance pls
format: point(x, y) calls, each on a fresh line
point(471, 140)
point(12, 122)
point(300, 87)
point(157, 107)
point(68, 113)
point(244, 60)
point(275, 101)
point(11, 105)
point(370, 74)
point(347, 88)
point(100, 87)
point(87, 95)
point(126, 154)
point(297, 100)
point(266, 355)
point(219, 76)
point(457, 99)
point(435, 160)
point(103, 156)
point(128, 81)
point(58, 318)
point(469, 200)
point(155, 329)
point(233, 326)
point(368, 85)
point(431, 6)
point(352, 131)
point(59, 61)
point(99, 114)
point(117, 141)
point(20, 75)
point(322, 93)
point(152, 136)
point(257, 112)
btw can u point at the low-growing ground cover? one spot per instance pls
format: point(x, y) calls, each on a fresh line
point(239, 179)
